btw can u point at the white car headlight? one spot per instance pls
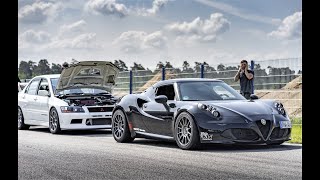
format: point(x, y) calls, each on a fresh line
point(71, 109)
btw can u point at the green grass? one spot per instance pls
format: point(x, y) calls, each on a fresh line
point(296, 120)
point(296, 133)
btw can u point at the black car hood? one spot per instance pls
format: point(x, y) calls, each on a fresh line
point(245, 107)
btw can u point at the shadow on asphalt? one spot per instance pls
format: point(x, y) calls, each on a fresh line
point(172, 144)
point(89, 133)
point(221, 147)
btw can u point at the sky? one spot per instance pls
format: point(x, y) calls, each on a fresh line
point(149, 31)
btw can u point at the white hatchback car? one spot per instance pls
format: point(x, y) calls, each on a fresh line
point(79, 98)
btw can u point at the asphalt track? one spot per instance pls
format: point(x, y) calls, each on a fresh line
point(96, 155)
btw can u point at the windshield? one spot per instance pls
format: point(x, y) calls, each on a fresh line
point(54, 82)
point(207, 91)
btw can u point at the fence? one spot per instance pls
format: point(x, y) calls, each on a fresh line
point(271, 79)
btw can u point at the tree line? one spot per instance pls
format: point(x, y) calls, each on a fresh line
point(29, 69)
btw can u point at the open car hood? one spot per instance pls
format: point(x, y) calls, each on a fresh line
point(88, 74)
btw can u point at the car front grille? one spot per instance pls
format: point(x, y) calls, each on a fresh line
point(264, 129)
point(100, 109)
point(244, 134)
point(279, 133)
point(98, 121)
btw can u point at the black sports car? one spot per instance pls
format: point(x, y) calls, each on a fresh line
point(193, 111)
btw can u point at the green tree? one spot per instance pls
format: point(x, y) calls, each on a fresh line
point(257, 66)
point(56, 68)
point(221, 67)
point(33, 67)
point(210, 72)
point(137, 66)
point(160, 65)
point(197, 66)
point(186, 67)
point(208, 68)
point(42, 68)
point(73, 61)
point(116, 62)
point(168, 65)
point(122, 65)
point(24, 70)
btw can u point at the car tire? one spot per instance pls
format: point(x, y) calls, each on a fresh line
point(21, 124)
point(186, 132)
point(54, 122)
point(275, 143)
point(120, 128)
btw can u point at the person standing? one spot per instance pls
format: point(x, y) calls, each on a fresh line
point(246, 79)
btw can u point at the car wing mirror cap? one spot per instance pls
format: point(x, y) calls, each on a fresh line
point(161, 99)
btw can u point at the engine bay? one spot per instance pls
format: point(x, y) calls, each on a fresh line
point(89, 100)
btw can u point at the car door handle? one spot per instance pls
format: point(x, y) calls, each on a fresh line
point(23, 97)
point(172, 105)
point(35, 99)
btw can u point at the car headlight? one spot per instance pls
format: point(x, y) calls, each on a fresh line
point(280, 108)
point(202, 106)
point(210, 109)
point(71, 109)
point(215, 113)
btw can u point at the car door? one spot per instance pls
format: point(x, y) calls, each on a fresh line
point(28, 99)
point(41, 102)
point(161, 121)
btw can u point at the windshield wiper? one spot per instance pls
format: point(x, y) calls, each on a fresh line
point(103, 93)
point(74, 94)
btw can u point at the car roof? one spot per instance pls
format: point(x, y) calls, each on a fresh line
point(49, 76)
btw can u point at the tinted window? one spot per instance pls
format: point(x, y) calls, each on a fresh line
point(33, 87)
point(207, 91)
point(166, 90)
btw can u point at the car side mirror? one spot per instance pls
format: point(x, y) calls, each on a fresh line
point(43, 93)
point(162, 99)
point(253, 96)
